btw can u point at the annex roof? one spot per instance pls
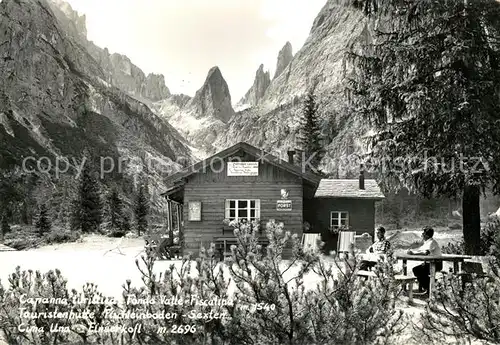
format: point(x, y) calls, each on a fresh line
point(338, 188)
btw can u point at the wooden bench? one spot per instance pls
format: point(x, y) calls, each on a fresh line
point(406, 281)
point(471, 270)
point(401, 279)
point(223, 245)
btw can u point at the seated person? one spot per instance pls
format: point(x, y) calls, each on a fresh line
point(381, 246)
point(422, 271)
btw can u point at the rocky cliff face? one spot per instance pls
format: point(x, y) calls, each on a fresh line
point(55, 100)
point(285, 56)
point(273, 123)
point(122, 73)
point(74, 24)
point(258, 89)
point(319, 62)
point(118, 70)
point(272, 109)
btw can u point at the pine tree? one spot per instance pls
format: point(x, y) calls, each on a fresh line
point(310, 140)
point(428, 85)
point(74, 220)
point(5, 227)
point(141, 210)
point(115, 209)
point(43, 224)
point(11, 191)
point(89, 211)
point(64, 211)
point(117, 218)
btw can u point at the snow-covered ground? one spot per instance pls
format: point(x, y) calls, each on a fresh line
point(94, 259)
point(81, 262)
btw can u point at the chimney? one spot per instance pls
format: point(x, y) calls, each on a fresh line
point(291, 153)
point(361, 177)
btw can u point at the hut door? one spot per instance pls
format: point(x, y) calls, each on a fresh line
point(174, 222)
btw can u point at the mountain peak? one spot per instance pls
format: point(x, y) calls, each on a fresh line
point(214, 71)
point(213, 99)
point(285, 56)
point(258, 89)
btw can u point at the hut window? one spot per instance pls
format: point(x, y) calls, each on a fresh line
point(238, 209)
point(339, 219)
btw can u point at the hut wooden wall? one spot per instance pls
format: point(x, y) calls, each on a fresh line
point(213, 187)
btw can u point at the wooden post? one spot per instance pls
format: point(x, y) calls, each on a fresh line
point(410, 292)
point(181, 225)
point(178, 211)
point(432, 277)
point(171, 228)
point(169, 220)
point(166, 217)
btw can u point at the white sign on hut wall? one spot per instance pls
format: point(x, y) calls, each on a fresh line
point(194, 211)
point(242, 168)
point(284, 204)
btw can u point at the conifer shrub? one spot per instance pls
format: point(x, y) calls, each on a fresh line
point(33, 292)
point(59, 235)
point(468, 307)
point(255, 297)
point(271, 302)
point(23, 237)
point(464, 311)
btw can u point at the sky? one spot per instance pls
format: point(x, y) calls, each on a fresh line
point(183, 39)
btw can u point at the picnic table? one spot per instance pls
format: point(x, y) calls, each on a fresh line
point(457, 260)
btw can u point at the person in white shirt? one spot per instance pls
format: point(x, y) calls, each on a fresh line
point(430, 247)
